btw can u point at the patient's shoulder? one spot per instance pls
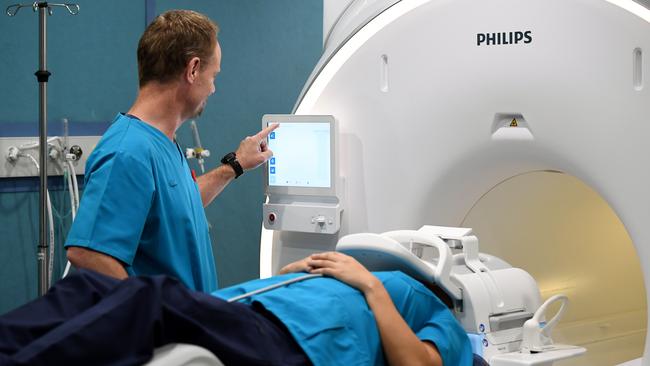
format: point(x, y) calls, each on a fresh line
point(400, 279)
point(401, 286)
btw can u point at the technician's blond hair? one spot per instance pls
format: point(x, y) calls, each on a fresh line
point(170, 41)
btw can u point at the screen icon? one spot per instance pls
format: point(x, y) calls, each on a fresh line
point(272, 161)
point(272, 136)
point(272, 170)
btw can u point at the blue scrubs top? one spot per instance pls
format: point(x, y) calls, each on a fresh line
point(334, 325)
point(141, 206)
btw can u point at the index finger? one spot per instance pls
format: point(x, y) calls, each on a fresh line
point(265, 132)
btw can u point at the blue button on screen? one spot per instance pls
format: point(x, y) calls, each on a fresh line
point(272, 161)
point(272, 136)
point(272, 170)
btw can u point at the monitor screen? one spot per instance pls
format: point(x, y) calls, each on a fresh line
point(301, 155)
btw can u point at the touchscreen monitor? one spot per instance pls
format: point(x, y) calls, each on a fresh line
point(303, 155)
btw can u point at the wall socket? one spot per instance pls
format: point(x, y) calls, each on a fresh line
point(24, 167)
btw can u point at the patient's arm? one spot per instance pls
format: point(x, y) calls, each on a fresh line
point(401, 345)
point(99, 262)
point(297, 266)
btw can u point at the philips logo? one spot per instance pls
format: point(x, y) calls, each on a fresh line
point(503, 38)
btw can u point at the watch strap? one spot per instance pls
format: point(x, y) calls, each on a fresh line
point(231, 159)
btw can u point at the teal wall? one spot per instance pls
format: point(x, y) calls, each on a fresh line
point(91, 57)
point(269, 49)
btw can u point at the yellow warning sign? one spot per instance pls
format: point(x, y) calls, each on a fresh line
point(514, 123)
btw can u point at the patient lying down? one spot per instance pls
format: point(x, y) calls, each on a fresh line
point(348, 317)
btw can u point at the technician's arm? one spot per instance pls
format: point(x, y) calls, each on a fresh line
point(99, 262)
point(251, 153)
point(213, 182)
point(401, 346)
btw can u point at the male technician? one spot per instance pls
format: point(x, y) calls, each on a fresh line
point(142, 209)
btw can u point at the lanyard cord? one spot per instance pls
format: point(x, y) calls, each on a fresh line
point(274, 286)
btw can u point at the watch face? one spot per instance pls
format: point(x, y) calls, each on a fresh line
point(228, 157)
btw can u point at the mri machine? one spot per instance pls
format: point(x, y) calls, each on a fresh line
point(443, 105)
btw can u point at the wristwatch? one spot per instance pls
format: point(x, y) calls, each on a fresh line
point(231, 159)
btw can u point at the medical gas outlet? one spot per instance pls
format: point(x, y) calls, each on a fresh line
point(76, 151)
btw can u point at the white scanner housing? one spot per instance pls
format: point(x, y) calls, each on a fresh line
point(432, 116)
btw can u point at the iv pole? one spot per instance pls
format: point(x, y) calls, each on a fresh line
point(42, 75)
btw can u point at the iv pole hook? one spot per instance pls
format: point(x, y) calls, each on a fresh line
point(12, 10)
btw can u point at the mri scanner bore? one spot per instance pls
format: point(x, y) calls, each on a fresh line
point(576, 245)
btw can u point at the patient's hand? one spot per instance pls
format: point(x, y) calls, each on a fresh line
point(344, 268)
point(297, 266)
